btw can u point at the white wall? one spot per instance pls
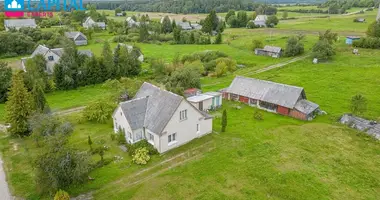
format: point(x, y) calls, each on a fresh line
point(120, 120)
point(186, 129)
point(50, 64)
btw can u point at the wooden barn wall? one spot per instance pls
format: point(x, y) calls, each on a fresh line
point(297, 114)
point(282, 110)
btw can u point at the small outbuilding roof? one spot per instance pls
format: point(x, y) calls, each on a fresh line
point(74, 35)
point(353, 37)
point(199, 98)
point(272, 49)
point(370, 127)
point(306, 106)
point(275, 93)
point(214, 94)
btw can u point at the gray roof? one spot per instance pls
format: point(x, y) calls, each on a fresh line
point(184, 25)
point(85, 52)
point(276, 93)
point(370, 127)
point(58, 51)
point(152, 108)
point(134, 111)
point(272, 49)
point(160, 107)
point(74, 35)
point(41, 49)
point(20, 23)
point(306, 106)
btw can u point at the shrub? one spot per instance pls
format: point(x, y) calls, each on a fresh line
point(61, 195)
point(99, 111)
point(220, 69)
point(358, 104)
point(258, 115)
point(251, 25)
point(141, 144)
point(141, 156)
point(323, 50)
point(368, 43)
point(257, 44)
point(294, 47)
point(121, 137)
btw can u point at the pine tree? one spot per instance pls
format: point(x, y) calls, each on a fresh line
point(144, 34)
point(116, 55)
point(224, 120)
point(123, 61)
point(133, 62)
point(39, 100)
point(89, 142)
point(70, 63)
point(107, 60)
point(192, 38)
point(166, 26)
point(177, 35)
point(18, 107)
point(5, 80)
point(93, 71)
point(218, 39)
point(174, 25)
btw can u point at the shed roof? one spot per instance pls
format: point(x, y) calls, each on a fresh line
point(306, 106)
point(214, 94)
point(184, 25)
point(353, 37)
point(199, 98)
point(20, 23)
point(370, 127)
point(272, 49)
point(276, 93)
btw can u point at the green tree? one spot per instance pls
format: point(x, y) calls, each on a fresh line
point(182, 79)
point(166, 26)
point(211, 23)
point(89, 141)
point(224, 120)
point(18, 107)
point(294, 47)
point(233, 22)
point(192, 38)
point(144, 34)
point(116, 58)
point(39, 100)
point(117, 10)
point(229, 14)
point(60, 166)
point(285, 15)
point(272, 21)
point(99, 111)
point(358, 104)
point(61, 195)
point(374, 29)
point(67, 75)
point(242, 18)
point(5, 80)
point(177, 35)
point(257, 44)
point(218, 39)
point(35, 73)
point(329, 36)
point(107, 60)
point(323, 50)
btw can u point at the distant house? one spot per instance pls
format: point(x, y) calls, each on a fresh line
point(370, 127)
point(162, 19)
point(52, 57)
point(89, 23)
point(261, 20)
point(140, 55)
point(360, 20)
point(351, 39)
point(19, 23)
point(207, 101)
point(120, 14)
point(185, 26)
point(271, 51)
point(196, 26)
point(78, 38)
point(131, 22)
point(164, 119)
point(273, 97)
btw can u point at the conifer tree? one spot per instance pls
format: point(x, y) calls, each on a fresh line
point(89, 142)
point(123, 61)
point(192, 38)
point(224, 120)
point(39, 100)
point(166, 26)
point(18, 107)
point(174, 24)
point(218, 39)
point(116, 69)
point(107, 60)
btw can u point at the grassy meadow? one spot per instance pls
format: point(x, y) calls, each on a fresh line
point(274, 158)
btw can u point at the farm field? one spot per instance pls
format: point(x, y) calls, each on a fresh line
point(274, 158)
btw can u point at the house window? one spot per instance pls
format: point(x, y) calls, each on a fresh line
point(129, 135)
point(172, 138)
point(150, 137)
point(253, 102)
point(50, 58)
point(234, 97)
point(198, 128)
point(183, 115)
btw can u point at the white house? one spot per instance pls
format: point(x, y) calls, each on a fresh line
point(19, 23)
point(130, 49)
point(164, 119)
point(90, 23)
point(207, 101)
point(52, 56)
point(261, 20)
point(131, 22)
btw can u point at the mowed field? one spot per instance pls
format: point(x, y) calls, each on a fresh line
point(274, 158)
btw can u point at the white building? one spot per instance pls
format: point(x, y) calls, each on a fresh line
point(130, 49)
point(164, 119)
point(207, 101)
point(19, 23)
point(261, 20)
point(90, 23)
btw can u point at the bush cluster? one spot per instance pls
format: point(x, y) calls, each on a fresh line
point(368, 42)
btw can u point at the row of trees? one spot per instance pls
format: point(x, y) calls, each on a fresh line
point(372, 41)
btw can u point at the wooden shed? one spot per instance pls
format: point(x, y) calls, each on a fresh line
point(271, 51)
point(273, 97)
